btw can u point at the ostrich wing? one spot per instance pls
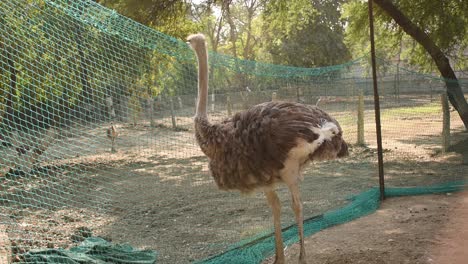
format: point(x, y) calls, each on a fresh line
point(248, 150)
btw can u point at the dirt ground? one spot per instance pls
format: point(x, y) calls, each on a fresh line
point(156, 193)
point(429, 229)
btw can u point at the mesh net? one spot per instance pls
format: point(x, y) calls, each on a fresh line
point(72, 70)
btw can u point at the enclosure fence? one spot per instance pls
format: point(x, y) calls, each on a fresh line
point(98, 158)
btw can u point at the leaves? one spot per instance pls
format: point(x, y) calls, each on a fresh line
point(305, 33)
point(444, 21)
point(168, 16)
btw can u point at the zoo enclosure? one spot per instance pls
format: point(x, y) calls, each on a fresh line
point(70, 69)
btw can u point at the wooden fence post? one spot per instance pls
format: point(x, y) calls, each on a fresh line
point(5, 246)
point(174, 125)
point(150, 103)
point(212, 102)
point(229, 105)
point(360, 120)
point(445, 123)
point(110, 107)
point(181, 105)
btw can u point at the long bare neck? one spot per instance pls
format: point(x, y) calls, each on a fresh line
point(202, 57)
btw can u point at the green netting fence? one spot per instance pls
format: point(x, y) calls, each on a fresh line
point(69, 70)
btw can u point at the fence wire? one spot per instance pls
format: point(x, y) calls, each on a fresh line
point(71, 71)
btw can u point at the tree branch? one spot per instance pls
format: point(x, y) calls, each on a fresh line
point(454, 91)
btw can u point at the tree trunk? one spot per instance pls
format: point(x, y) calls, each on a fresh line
point(232, 27)
point(250, 42)
point(454, 91)
point(233, 39)
point(214, 31)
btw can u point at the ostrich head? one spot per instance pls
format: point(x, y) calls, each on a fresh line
point(196, 41)
point(329, 150)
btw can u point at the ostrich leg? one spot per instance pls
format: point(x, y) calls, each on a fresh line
point(275, 205)
point(297, 207)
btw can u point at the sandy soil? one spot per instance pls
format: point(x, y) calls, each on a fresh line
point(429, 229)
point(156, 192)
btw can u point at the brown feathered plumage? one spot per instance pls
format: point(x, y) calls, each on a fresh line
point(248, 151)
point(267, 144)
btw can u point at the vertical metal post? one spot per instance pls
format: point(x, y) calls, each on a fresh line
point(376, 104)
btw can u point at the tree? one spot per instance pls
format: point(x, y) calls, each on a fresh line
point(305, 33)
point(213, 25)
point(168, 16)
point(454, 91)
point(241, 16)
point(437, 30)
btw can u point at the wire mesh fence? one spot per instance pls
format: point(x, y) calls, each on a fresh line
point(97, 140)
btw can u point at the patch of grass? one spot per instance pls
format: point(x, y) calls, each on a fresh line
point(431, 108)
point(346, 120)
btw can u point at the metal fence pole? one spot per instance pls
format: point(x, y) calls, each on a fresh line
point(376, 104)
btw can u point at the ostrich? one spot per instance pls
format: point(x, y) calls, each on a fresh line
point(112, 134)
point(264, 146)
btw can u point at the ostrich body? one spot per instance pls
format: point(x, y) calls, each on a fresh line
point(112, 135)
point(267, 144)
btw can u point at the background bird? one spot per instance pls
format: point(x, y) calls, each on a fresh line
point(264, 146)
point(112, 134)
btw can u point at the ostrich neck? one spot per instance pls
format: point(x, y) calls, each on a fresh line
point(202, 57)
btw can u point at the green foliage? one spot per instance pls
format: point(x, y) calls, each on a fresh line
point(305, 33)
point(47, 72)
point(168, 16)
point(444, 21)
point(422, 110)
point(301, 33)
point(172, 17)
point(31, 48)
